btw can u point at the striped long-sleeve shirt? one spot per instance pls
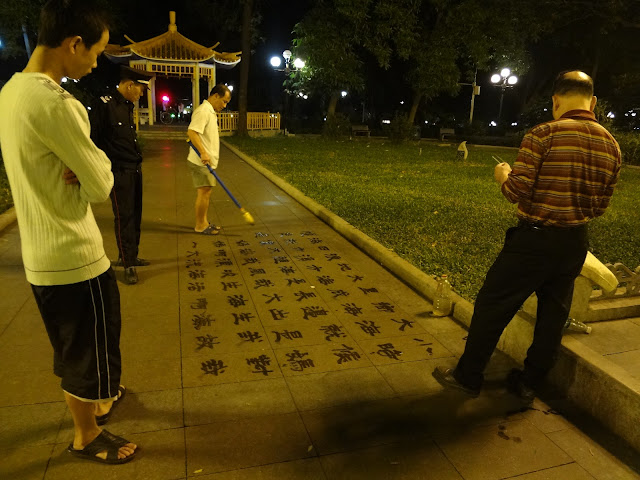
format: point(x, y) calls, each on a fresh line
point(565, 172)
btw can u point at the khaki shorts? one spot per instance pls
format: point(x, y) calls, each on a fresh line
point(201, 176)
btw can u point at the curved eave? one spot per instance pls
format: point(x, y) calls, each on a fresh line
point(198, 59)
point(123, 56)
point(226, 65)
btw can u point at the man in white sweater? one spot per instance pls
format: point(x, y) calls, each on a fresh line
point(55, 172)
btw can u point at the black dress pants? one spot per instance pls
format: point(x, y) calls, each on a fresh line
point(126, 200)
point(544, 260)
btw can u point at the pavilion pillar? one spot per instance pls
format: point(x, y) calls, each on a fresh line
point(211, 78)
point(151, 97)
point(195, 86)
point(151, 100)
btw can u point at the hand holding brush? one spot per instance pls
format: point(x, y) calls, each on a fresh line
point(245, 215)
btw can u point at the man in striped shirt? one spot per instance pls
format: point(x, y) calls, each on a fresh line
point(564, 176)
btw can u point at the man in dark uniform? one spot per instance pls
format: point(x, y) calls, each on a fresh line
point(113, 130)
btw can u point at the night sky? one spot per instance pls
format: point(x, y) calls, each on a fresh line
point(386, 94)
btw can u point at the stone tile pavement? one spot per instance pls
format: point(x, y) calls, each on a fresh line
point(275, 351)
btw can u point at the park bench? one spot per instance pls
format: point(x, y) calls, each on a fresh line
point(360, 130)
point(445, 132)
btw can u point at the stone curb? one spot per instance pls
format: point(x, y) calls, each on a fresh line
point(589, 381)
point(7, 218)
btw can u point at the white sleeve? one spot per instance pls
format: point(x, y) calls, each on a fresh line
point(68, 136)
point(199, 120)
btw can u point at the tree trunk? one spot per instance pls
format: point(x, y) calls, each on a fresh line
point(414, 107)
point(597, 58)
point(27, 45)
point(244, 67)
point(333, 102)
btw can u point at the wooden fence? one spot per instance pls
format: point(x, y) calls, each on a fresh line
point(228, 121)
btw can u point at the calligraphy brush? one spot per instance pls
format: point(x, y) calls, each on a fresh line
point(245, 215)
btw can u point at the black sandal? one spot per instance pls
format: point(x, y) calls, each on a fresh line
point(210, 230)
point(108, 442)
point(102, 419)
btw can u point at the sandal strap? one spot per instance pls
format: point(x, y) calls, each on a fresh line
point(119, 441)
point(103, 443)
point(210, 230)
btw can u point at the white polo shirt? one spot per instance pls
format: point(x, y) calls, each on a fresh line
point(205, 122)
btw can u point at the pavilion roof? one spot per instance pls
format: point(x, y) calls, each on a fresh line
point(171, 46)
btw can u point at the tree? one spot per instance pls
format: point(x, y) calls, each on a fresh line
point(597, 37)
point(439, 41)
point(247, 13)
point(228, 18)
point(455, 39)
point(19, 21)
point(325, 40)
point(18, 25)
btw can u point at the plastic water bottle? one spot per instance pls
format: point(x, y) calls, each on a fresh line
point(442, 300)
point(575, 326)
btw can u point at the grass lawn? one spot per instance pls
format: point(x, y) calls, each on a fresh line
point(440, 214)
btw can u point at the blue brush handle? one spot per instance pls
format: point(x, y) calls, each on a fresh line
point(213, 172)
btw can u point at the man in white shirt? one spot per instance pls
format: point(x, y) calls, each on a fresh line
point(55, 172)
point(203, 133)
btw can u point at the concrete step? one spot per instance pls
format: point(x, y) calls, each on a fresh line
point(614, 308)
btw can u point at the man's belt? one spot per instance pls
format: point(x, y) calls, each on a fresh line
point(541, 226)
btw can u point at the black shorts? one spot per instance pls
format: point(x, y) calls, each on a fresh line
point(83, 324)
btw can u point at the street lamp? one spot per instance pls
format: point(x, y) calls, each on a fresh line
point(298, 63)
point(289, 67)
point(504, 80)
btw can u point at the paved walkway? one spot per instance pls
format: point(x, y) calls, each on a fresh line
point(275, 351)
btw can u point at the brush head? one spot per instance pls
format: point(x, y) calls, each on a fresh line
point(248, 217)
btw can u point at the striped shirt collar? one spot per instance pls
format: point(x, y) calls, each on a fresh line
point(580, 115)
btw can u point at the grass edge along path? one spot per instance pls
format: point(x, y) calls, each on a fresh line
point(439, 214)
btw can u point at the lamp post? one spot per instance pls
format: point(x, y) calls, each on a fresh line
point(504, 80)
point(289, 67)
point(475, 91)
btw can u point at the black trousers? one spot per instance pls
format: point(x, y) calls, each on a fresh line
point(544, 260)
point(126, 200)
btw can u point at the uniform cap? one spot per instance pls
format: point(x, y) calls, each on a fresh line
point(138, 76)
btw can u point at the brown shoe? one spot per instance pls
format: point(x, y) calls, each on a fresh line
point(517, 387)
point(138, 262)
point(130, 276)
point(445, 377)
